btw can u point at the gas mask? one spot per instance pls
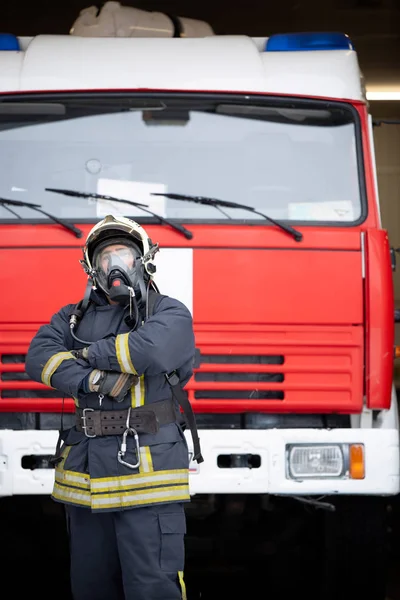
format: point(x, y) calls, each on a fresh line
point(119, 270)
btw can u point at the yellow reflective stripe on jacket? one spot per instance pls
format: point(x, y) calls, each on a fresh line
point(75, 496)
point(74, 478)
point(122, 352)
point(52, 365)
point(140, 480)
point(137, 393)
point(77, 480)
point(135, 498)
point(71, 486)
point(118, 500)
point(146, 461)
point(182, 584)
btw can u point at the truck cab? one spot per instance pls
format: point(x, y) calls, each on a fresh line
point(251, 162)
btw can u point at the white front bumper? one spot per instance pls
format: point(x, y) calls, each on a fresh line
point(381, 462)
point(14, 445)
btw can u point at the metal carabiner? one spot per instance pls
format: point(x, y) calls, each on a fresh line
point(122, 451)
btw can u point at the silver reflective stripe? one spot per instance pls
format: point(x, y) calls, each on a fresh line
point(137, 393)
point(146, 462)
point(127, 482)
point(170, 494)
point(75, 479)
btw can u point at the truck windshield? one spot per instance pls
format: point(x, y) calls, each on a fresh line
point(294, 160)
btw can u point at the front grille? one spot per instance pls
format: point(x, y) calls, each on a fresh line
point(277, 368)
point(239, 369)
point(242, 363)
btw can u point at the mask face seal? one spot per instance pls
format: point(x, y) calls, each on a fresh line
point(118, 267)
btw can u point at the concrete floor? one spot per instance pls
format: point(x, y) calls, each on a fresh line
point(394, 583)
point(33, 556)
point(393, 590)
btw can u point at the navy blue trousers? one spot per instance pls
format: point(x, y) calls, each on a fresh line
point(136, 554)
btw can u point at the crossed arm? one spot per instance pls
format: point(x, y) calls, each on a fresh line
point(161, 345)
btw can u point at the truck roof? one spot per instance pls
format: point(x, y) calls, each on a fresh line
point(217, 63)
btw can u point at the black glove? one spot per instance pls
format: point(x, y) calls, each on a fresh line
point(111, 383)
point(81, 353)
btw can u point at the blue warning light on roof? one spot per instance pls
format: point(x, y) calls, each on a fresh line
point(8, 41)
point(295, 42)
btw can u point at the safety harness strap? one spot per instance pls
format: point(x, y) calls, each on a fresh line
point(184, 403)
point(180, 395)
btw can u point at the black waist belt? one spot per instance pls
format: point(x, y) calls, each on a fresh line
point(144, 419)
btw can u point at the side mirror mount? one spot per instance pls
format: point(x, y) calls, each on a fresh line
point(393, 258)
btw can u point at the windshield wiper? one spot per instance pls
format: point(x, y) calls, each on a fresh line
point(5, 202)
point(297, 235)
point(144, 207)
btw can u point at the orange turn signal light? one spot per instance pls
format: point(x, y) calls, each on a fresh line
point(357, 462)
point(397, 351)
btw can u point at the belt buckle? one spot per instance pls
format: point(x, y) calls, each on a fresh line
point(84, 426)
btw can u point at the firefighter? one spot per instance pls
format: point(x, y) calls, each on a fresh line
point(122, 470)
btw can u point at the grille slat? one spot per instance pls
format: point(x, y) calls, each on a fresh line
point(211, 370)
point(246, 359)
point(14, 376)
point(11, 359)
point(239, 395)
point(31, 394)
point(298, 369)
point(224, 377)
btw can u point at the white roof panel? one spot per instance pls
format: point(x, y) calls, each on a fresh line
point(215, 63)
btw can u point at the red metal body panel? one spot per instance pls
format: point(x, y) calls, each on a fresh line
point(282, 286)
point(379, 320)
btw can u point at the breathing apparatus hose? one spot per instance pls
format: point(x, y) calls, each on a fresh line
point(80, 309)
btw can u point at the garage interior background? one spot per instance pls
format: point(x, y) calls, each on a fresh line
point(373, 26)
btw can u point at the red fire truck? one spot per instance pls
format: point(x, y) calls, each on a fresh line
point(251, 162)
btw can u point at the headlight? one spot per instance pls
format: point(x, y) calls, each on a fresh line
point(325, 461)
